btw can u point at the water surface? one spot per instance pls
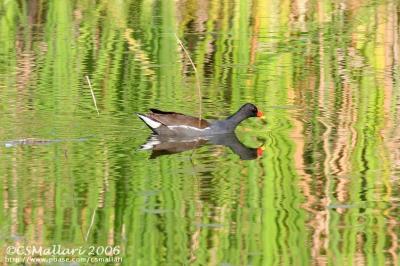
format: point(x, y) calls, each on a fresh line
point(325, 73)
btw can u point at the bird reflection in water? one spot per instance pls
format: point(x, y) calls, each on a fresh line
point(166, 145)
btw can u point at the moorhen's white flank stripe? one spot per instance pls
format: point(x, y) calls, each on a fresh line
point(188, 127)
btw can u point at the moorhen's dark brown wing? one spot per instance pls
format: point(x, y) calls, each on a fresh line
point(176, 119)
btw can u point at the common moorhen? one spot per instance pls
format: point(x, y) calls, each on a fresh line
point(177, 124)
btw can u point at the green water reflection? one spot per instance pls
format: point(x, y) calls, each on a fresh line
point(325, 73)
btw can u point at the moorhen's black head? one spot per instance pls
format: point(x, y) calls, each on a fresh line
point(250, 110)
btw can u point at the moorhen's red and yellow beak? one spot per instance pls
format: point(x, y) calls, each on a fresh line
point(260, 114)
point(260, 151)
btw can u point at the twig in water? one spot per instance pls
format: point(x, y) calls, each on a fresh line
point(196, 74)
point(91, 224)
point(91, 91)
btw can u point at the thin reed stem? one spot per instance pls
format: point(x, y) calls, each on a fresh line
point(93, 97)
point(91, 224)
point(196, 75)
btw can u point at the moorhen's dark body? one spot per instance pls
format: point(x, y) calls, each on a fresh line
point(177, 124)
